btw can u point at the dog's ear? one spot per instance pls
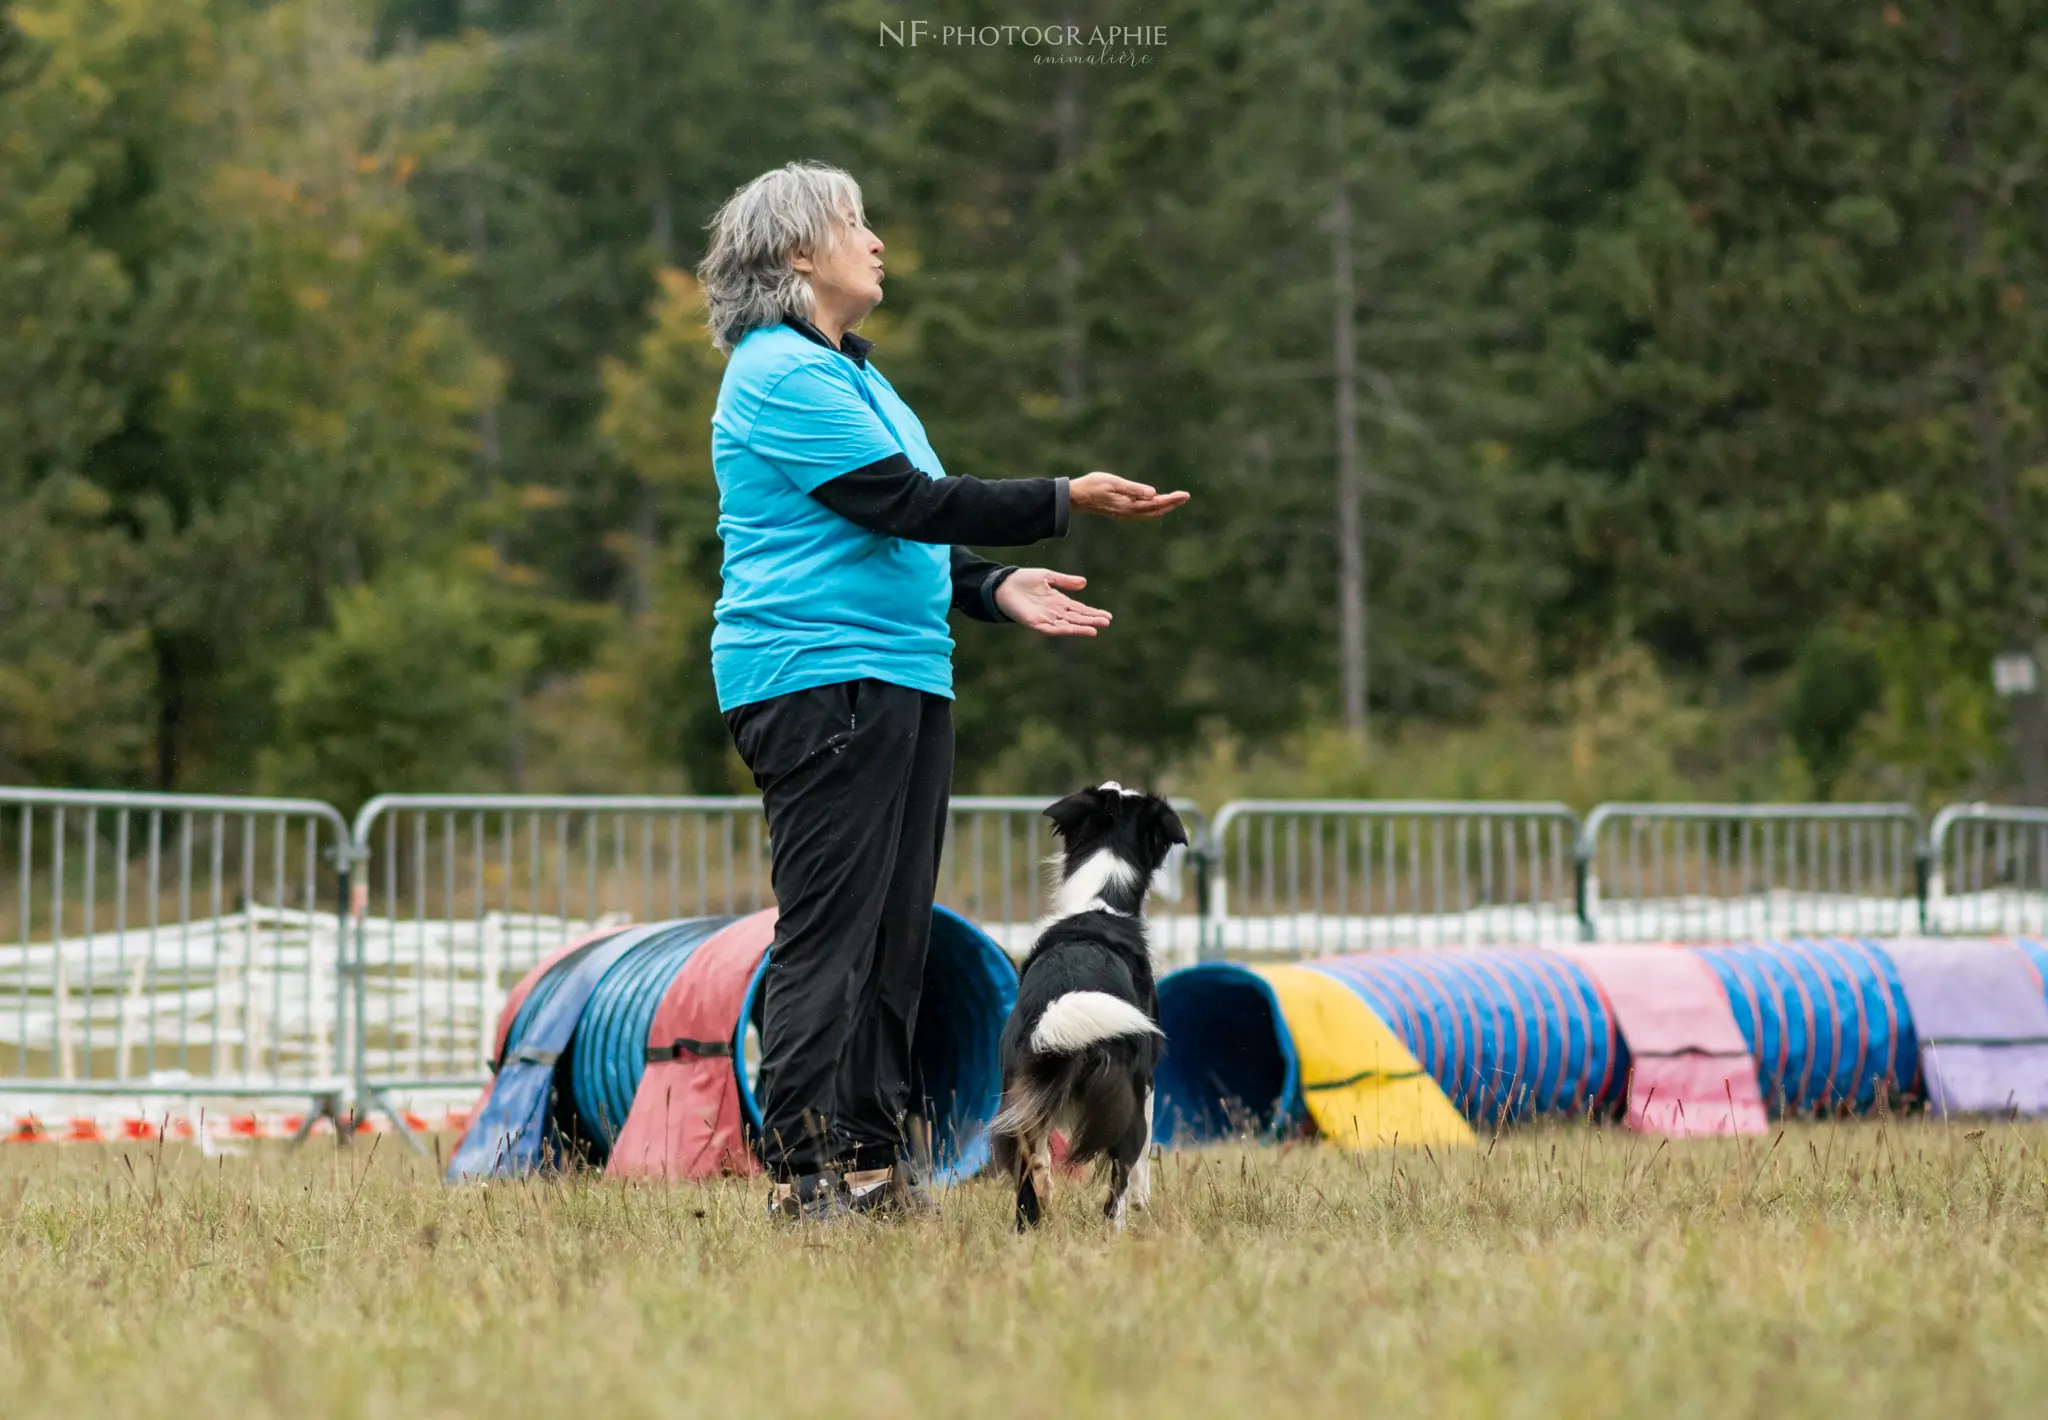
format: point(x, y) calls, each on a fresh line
point(1163, 825)
point(1071, 813)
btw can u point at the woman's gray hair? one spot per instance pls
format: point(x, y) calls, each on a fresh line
point(748, 281)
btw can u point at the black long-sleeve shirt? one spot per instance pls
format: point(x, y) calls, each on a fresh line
point(894, 497)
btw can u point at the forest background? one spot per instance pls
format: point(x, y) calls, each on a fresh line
point(1581, 398)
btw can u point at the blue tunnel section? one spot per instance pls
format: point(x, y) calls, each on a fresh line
point(1826, 1020)
point(969, 987)
point(1508, 1033)
point(1230, 1067)
point(525, 1123)
point(610, 1051)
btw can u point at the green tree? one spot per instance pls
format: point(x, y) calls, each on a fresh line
point(74, 683)
point(1836, 683)
point(592, 143)
point(240, 349)
point(1760, 282)
point(407, 690)
point(75, 675)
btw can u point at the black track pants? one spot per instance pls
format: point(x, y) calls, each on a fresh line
point(854, 778)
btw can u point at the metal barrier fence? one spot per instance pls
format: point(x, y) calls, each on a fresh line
point(459, 895)
point(203, 947)
point(170, 945)
point(1309, 877)
point(1723, 872)
point(1987, 870)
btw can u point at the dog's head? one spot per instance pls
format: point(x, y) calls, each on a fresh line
point(1115, 842)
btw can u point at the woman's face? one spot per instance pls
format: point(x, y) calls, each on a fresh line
point(845, 277)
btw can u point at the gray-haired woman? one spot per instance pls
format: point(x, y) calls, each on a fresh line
point(845, 547)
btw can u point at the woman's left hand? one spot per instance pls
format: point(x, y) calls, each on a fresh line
point(1037, 598)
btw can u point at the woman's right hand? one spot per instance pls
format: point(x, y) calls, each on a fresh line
point(1108, 496)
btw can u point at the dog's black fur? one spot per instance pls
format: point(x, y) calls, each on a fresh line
point(1091, 1070)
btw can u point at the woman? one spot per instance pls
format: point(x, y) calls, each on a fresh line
point(845, 546)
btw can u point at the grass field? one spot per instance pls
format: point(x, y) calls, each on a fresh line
point(1894, 1268)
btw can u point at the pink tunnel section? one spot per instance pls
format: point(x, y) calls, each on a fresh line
point(686, 1120)
point(1692, 1071)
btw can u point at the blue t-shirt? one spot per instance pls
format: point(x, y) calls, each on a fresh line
point(811, 598)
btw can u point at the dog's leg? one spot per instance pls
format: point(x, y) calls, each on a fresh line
point(1034, 1179)
point(1129, 1177)
point(1141, 1172)
point(1041, 1165)
point(1119, 1194)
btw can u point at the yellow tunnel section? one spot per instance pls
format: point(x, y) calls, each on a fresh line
point(1359, 1083)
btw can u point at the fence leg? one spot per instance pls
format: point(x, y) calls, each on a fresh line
point(1583, 890)
point(404, 1130)
point(350, 982)
point(327, 1106)
point(1211, 908)
point(1923, 874)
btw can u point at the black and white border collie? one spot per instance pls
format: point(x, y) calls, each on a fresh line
point(1080, 1047)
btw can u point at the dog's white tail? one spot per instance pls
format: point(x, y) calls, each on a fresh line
point(1079, 1019)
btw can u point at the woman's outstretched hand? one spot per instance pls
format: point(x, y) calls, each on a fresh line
point(1037, 598)
point(1111, 497)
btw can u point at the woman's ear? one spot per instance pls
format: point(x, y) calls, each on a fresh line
point(800, 260)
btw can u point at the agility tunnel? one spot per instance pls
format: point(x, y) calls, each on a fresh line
point(1444, 1038)
point(631, 1050)
point(1419, 1047)
point(521, 1123)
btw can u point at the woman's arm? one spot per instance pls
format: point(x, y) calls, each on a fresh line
point(975, 581)
point(1033, 596)
point(892, 496)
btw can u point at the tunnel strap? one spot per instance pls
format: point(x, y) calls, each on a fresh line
point(1984, 1040)
point(1362, 1075)
point(529, 1055)
point(682, 1046)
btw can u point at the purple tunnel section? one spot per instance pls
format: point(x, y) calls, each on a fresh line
point(1982, 1019)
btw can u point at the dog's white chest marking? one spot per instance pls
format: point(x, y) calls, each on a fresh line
point(1083, 889)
